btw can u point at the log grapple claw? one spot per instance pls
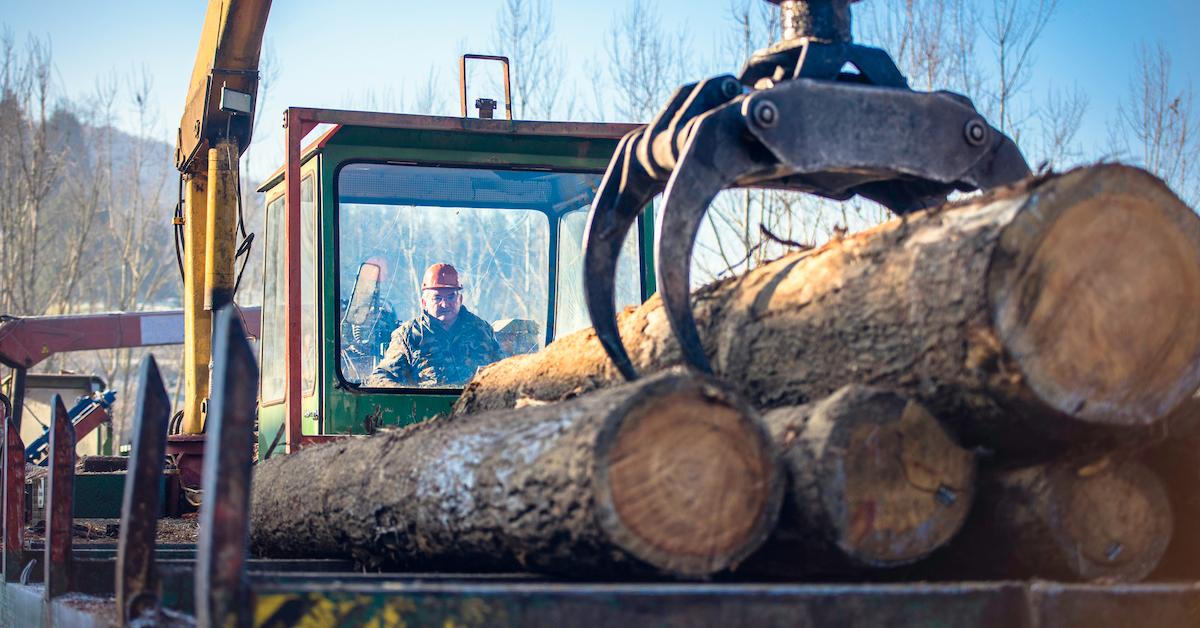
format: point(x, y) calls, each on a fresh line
point(639, 168)
point(793, 120)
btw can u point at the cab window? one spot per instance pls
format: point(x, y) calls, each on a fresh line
point(274, 371)
point(571, 311)
point(493, 228)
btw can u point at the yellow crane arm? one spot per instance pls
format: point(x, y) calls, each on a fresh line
point(218, 118)
point(226, 62)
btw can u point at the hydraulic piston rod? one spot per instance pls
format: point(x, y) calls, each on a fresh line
point(197, 321)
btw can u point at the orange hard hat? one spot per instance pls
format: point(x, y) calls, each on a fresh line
point(440, 276)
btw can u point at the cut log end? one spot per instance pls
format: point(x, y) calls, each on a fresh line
point(1112, 523)
point(1102, 521)
point(908, 488)
point(873, 475)
point(687, 480)
point(1093, 291)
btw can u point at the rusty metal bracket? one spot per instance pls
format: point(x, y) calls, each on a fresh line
point(14, 496)
point(221, 593)
point(462, 82)
point(60, 503)
point(136, 579)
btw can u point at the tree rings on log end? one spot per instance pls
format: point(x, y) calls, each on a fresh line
point(1094, 288)
point(907, 488)
point(874, 474)
point(1106, 520)
point(686, 477)
point(1110, 522)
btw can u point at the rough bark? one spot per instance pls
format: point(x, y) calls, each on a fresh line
point(1029, 318)
point(873, 481)
point(669, 475)
point(1106, 520)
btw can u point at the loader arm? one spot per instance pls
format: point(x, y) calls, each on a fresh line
point(218, 118)
point(227, 59)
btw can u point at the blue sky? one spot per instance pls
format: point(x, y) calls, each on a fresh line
point(336, 53)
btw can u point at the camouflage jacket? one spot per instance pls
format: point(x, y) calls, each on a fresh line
point(423, 353)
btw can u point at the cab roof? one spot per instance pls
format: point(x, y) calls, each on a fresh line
point(408, 129)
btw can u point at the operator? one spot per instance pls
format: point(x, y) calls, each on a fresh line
point(444, 346)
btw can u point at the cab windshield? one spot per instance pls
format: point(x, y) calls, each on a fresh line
point(495, 230)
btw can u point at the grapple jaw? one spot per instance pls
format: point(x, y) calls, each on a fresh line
point(795, 120)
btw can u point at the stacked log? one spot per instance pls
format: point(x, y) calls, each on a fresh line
point(874, 481)
point(1047, 329)
point(668, 475)
point(1101, 520)
point(1030, 320)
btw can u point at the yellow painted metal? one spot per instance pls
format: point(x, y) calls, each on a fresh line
point(321, 610)
point(222, 224)
point(197, 321)
point(227, 56)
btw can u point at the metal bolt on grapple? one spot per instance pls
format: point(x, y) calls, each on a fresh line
point(976, 132)
point(765, 114)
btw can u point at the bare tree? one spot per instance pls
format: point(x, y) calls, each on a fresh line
point(645, 61)
point(27, 168)
point(1013, 27)
point(525, 33)
point(1059, 118)
point(84, 193)
point(430, 98)
point(67, 175)
point(43, 217)
point(138, 271)
point(932, 41)
point(754, 25)
point(1157, 124)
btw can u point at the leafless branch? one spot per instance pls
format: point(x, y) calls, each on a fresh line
point(525, 33)
point(780, 240)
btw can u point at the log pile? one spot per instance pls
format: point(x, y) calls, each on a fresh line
point(982, 390)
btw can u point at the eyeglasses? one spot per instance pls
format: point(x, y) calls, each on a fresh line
point(444, 296)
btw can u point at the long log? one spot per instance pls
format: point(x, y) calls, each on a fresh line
point(668, 475)
point(1031, 318)
point(1106, 520)
point(874, 481)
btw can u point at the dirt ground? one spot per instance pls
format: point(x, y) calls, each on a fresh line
point(99, 531)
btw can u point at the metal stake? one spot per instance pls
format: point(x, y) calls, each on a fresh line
point(60, 497)
point(221, 594)
point(136, 579)
point(14, 496)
